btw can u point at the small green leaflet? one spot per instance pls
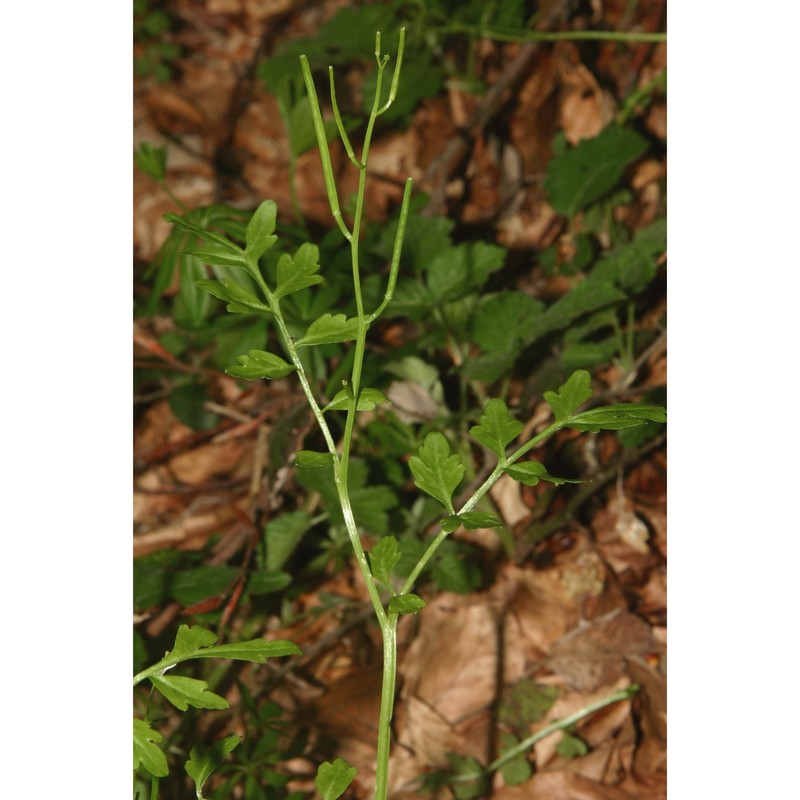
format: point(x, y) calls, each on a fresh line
point(333, 779)
point(622, 415)
point(571, 746)
point(259, 236)
point(152, 160)
point(146, 752)
point(184, 692)
point(471, 520)
point(406, 604)
point(368, 399)
point(207, 236)
point(576, 391)
point(239, 299)
point(219, 255)
point(204, 760)
point(329, 329)
point(497, 428)
point(435, 471)
point(259, 364)
point(298, 272)
point(383, 559)
point(255, 650)
point(531, 472)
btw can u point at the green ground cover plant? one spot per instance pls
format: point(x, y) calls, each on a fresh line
point(295, 292)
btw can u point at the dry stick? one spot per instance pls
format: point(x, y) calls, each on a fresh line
point(446, 163)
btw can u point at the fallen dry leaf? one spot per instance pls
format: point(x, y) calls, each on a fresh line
point(594, 654)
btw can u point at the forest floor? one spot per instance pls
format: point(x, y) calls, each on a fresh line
point(575, 609)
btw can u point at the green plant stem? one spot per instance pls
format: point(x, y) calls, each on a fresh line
point(389, 633)
point(558, 725)
point(172, 196)
point(516, 35)
point(476, 497)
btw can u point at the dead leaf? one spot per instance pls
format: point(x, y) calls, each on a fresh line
point(594, 654)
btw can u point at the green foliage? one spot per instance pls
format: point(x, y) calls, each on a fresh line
point(437, 471)
point(195, 642)
point(151, 28)
point(205, 760)
point(497, 428)
point(571, 746)
point(584, 174)
point(333, 778)
point(300, 300)
point(383, 559)
point(406, 604)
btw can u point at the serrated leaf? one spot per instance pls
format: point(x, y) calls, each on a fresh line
point(329, 329)
point(471, 520)
point(530, 473)
point(259, 235)
point(204, 760)
point(622, 415)
point(368, 399)
point(383, 559)
point(299, 272)
point(259, 364)
point(591, 169)
point(406, 604)
point(282, 535)
point(184, 692)
point(497, 428)
point(585, 297)
point(576, 391)
point(310, 458)
point(146, 752)
point(435, 470)
point(333, 778)
point(500, 322)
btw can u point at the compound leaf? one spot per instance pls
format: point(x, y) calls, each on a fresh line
point(435, 470)
point(497, 428)
point(146, 752)
point(574, 392)
point(259, 364)
point(333, 779)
